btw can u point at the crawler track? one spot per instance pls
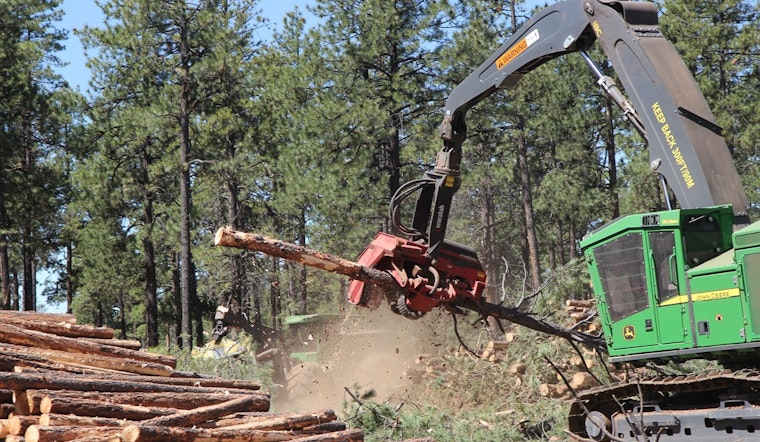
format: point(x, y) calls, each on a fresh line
point(686, 400)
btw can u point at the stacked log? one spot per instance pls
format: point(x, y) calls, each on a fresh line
point(583, 314)
point(60, 381)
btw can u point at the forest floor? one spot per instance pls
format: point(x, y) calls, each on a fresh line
point(412, 379)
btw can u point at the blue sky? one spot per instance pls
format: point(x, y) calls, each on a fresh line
point(79, 13)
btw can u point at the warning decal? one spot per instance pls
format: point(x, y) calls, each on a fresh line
point(517, 49)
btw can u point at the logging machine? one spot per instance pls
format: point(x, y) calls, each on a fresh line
point(676, 284)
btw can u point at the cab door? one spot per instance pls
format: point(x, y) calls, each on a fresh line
point(663, 285)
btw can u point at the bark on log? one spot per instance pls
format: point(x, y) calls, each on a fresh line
point(118, 363)
point(132, 344)
point(241, 418)
point(14, 335)
point(56, 381)
point(188, 418)
point(6, 410)
point(137, 433)
point(116, 437)
point(92, 408)
point(54, 419)
point(6, 315)
point(17, 425)
point(292, 422)
point(180, 401)
point(39, 433)
point(220, 384)
point(228, 237)
point(61, 328)
point(327, 427)
point(339, 436)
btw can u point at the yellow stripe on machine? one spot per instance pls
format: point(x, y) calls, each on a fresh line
point(703, 296)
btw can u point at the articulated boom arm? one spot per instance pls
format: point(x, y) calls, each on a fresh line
point(666, 105)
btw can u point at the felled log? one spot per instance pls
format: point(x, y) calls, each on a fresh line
point(132, 344)
point(141, 433)
point(54, 419)
point(37, 316)
point(581, 380)
point(14, 335)
point(188, 418)
point(292, 422)
point(17, 425)
point(137, 433)
point(56, 381)
point(582, 303)
point(552, 390)
point(327, 427)
point(118, 363)
point(60, 328)
point(194, 380)
point(39, 433)
point(228, 237)
point(338, 436)
point(180, 401)
point(86, 407)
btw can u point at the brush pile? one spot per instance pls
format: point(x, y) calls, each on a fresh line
point(60, 381)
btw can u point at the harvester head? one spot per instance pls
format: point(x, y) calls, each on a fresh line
point(455, 275)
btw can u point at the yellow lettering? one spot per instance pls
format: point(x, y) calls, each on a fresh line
point(597, 29)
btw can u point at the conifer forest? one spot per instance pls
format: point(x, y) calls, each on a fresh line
point(204, 113)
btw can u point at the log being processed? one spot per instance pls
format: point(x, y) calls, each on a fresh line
point(228, 237)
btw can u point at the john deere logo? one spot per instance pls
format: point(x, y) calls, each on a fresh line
point(629, 333)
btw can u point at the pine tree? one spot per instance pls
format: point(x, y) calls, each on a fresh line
point(31, 142)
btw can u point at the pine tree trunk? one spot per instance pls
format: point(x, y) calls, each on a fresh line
point(187, 276)
point(69, 277)
point(5, 275)
point(149, 259)
point(274, 290)
point(527, 200)
point(609, 146)
point(30, 301)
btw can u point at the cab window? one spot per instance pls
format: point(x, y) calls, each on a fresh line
point(621, 268)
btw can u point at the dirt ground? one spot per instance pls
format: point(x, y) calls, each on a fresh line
point(371, 350)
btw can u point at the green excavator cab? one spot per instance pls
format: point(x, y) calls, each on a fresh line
point(677, 284)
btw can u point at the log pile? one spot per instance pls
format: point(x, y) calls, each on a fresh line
point(60, 381)
point(583, 314)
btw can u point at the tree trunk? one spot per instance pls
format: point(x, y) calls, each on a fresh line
point(5, 271)
point(274, 290)
point(30, 292)
point(177, 291)
point(527, 201)
point(151, 293)
point(186, 261)
point(69, 277)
